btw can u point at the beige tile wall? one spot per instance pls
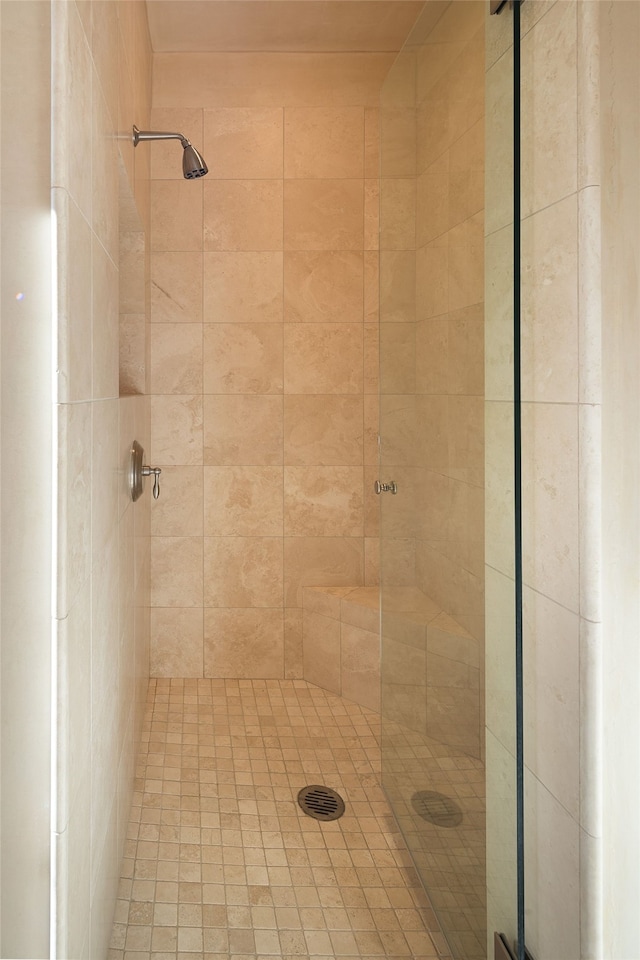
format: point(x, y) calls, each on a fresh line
point(102, 77)
point(432, 369)
point(263, 354)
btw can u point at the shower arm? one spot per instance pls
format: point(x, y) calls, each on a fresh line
point(140, 135)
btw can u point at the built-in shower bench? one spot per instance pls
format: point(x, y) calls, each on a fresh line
point(341, 641)
point(424, 647)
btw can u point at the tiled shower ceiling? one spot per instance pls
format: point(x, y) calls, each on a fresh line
point(280, 25)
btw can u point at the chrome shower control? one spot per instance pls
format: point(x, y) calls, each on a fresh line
point(156, 471)
point(391, 487)
point(137, 471)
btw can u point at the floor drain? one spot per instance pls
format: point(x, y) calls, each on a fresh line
point(437, 808)
point(321, 802)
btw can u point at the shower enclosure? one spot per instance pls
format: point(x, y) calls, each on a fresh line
point(446, 441)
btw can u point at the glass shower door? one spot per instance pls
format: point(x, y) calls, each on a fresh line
point(446, 456)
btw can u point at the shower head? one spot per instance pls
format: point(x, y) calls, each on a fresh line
point(193, 165)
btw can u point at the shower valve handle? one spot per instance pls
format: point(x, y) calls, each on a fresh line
point(391, 487)
point(156, 471)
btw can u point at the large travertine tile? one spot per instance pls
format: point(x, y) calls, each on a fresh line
point(433, 201)
point(243, 142)
point(176, 430)
point(400, 83)
point(404, 665)
point(361, 608)
point(323, 214)
point(551, 673)
point(74, 503)
point(371, 429)
point(132, 378)
point(178, 511)
point(371, 502)
point(397, 214)
point(104, 48)
point(243, 358)
point(105, 465)
point(323, 286)
point(465, 432)
point(74, 69)
point(324, 600)
point(131, 267)
point(432, 279)
point(243, 501)
point(498, 160)
point(243, 643)
point(398, 141)
point(320, 561)
point(321, 650)
point(591, 529)
point(400, 442)
point(259, 79)
point(465, 350)
point(549, 122)
point(550, 494)
point(176, 358)
point(550, 304)
point(105, 324)
point(176, 642)
point(432, 356)
point(397, 286)
point(371, 215)
point(165, 155)
point(589, 295)
point(323, 358)
point(371, 286)
point(323, 501)
point(360, 665)
point(323, 430)
point(243, 287)
point(466, 174)
point(293, 663)
point(499, 502)
point(176, 287)
point(466, 262)
point(126, 111)
point(371, 358)
point(398, 358)
point(498, 325)
point(433, 122)
point(104, 173)
point(552, 836)
point(243, 215)
point(176, 572)
point(242, 571)
point(405, 705)
point(323, 142)
point(74, 305)
point(242, 430)
point(176, 215)
point(371, 142)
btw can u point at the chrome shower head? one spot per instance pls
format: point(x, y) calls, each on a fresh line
point(193, 165)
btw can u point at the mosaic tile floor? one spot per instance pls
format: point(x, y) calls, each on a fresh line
point(222, 863)
point(452, 861)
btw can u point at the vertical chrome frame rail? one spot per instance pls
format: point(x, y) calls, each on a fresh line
point(517, 451)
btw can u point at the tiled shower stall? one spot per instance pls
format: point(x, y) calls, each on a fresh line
point(212, 651)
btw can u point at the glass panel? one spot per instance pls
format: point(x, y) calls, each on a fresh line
point(500, 719)
point(435, 565)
